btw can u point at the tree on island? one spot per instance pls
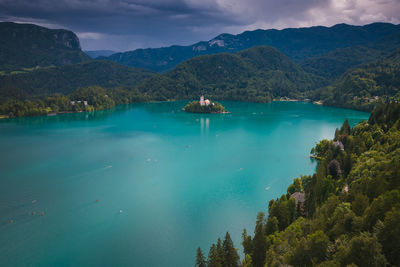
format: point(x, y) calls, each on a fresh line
point(204, 106)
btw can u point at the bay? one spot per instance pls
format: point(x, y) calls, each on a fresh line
point(146, 184)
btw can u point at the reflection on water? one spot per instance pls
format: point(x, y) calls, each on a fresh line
point(205, 125)
point(69, 117)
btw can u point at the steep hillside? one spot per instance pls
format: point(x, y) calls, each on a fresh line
point(335, 63)
point(256, 74)
point(346, 214)
point(65, 79)
point(366, 85)
point(28, 45)
point(298, 44)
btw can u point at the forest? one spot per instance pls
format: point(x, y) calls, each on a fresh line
point(95, 97)
point(365, 86)
point(350, 214)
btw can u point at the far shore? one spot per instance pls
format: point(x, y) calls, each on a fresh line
point(319, 102)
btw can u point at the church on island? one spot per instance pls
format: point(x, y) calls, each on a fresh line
point(204, 102)
point(204, 106)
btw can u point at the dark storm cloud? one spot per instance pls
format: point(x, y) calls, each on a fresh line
point(129, 24)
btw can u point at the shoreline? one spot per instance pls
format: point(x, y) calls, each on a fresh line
point(225, 112)
point(3, 117)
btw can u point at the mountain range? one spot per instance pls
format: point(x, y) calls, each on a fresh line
point(298, 44)
point(99, 53)
point(261, 65)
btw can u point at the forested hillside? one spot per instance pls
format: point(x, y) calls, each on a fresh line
point(351, 212)
point(36, 63)
point(333, 64)
point(30, 46)
point(298, 44)
point(65, 79)
point(257, 74)
point(365, 86)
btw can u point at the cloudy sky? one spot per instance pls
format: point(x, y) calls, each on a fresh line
point(122, 25)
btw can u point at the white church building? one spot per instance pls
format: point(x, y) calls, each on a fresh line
point(204, 102)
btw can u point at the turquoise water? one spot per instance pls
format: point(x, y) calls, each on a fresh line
point(146, 184)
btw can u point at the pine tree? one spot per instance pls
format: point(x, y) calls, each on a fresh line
point(337, 133)
point(214, 259)
point(220, 251)
point(272, 225)
point(231, 256)
point(345, 128)
point(247, 243)
point(200, 261)
point(259, 241)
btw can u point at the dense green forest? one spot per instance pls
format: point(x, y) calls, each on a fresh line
point(348, 212)
point(45, 82)
point(43, 70)
point(257, 74)
point(365, 86)
point(57, 67)
point(298, 44)
point(83, 99)
point(30, 46)
point(333, 64)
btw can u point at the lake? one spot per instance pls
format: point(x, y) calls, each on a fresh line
point(146, 184)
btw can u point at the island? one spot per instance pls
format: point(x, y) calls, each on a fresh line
point(204, 106)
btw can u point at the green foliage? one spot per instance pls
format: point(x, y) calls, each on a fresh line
point(259, 242)
point(65, 79)
point(96, 98)
point(258, 74)
point(298, 44)
point(334, 169)
point(231, 257)
point(214, 258)
point(310, 250)
point(359, 204)
point(296, 186)
point(366, 86)
point(247, 243)
point(353, 220)
point(388, 233)
point(200, 260)
point(29, 46)
point(195, 107)
point(333, 64)
point(272, 226)
point(380, 206)
point(284, 210)
point(365, 250)
point(223, 254)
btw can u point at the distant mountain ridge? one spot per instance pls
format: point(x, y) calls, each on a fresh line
point(28, 45)
point(297, 43)
point(37, 63)
point(99, 53)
